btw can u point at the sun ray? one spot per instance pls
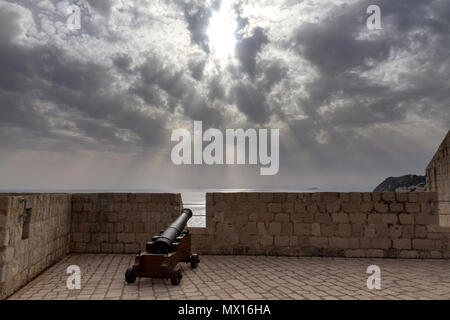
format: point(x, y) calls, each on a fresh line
point(221, 31)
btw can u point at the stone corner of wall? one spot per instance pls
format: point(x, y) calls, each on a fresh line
point(5, 203)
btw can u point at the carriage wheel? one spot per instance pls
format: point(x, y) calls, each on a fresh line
point(130, 277)
point(175, 276)
point(194, 260)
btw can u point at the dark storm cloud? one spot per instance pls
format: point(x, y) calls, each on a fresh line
point(339, 56)
point(248, 48)
point(216, 89)
point(157, 79)
point(197, 15)
point(252, 103)
point(197, 67)
point(123, 63)
point(338, 91)
point(33, 77)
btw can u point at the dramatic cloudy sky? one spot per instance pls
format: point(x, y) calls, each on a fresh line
point(95, 107)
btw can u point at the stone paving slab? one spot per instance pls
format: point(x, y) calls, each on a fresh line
point(247, 277)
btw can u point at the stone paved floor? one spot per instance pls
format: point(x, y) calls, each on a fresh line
point(238, 277)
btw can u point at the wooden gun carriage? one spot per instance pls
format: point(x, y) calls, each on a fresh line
point(164, 252)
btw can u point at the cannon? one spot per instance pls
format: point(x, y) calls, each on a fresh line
point(164, 252)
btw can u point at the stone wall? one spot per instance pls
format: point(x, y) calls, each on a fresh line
point(438, 179)
point(394, 225)
point(120, 222)
point(30, 245)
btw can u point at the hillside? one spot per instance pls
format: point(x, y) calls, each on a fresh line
point(392, 183)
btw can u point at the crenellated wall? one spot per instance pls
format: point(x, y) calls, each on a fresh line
point(393, 225)
point(30, 245)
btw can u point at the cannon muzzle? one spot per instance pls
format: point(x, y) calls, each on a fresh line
point(165, 240)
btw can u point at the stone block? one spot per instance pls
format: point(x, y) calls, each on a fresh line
point(423, 244)
point(293, 241)
point(355, 197)
point(367, 197)
point(402, 244)
point(426, 219)
point(406, 218)
point(376, 196)
point(266, 197)
point(355, 253)
point(282, 217)
point(303, 229)
point(358, 230)
point(407, 231)
point(334, 206)
point(261, 228)
point(436, 255)
point(282, 241)
point(319, 242)
point(106, 248)
point(389, 218)
point(420, 232)
point(427, 196)
point(126, 237)
point(374, 218)
point(287, 228)
point(344, 230)
point(4, 238)
point(370, 231)
point(340, 243)
point(322, 218)
point(340, 218)
point(425, 208)
point(280, 197)
point(374, 253)
point(328, 230)
point(396, 207)
point(266, 241)
point(274, 207)
point(251, 228)
point(412, 207)
point(358, 218)
point(380, 243)
point(402, 196)
point(315, 229)
point(354, 243)
point(395, 231)
point(408, 254)
point(351, 207)
point(366, 207)
point(381, 207)
point(287, 207)
point(132, 247)
point(143, 237)
point(275, 228)
point(388, 196)
point(233, 239)
point(413, 197)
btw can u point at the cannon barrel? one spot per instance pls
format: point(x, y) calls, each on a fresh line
point(165, 240)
